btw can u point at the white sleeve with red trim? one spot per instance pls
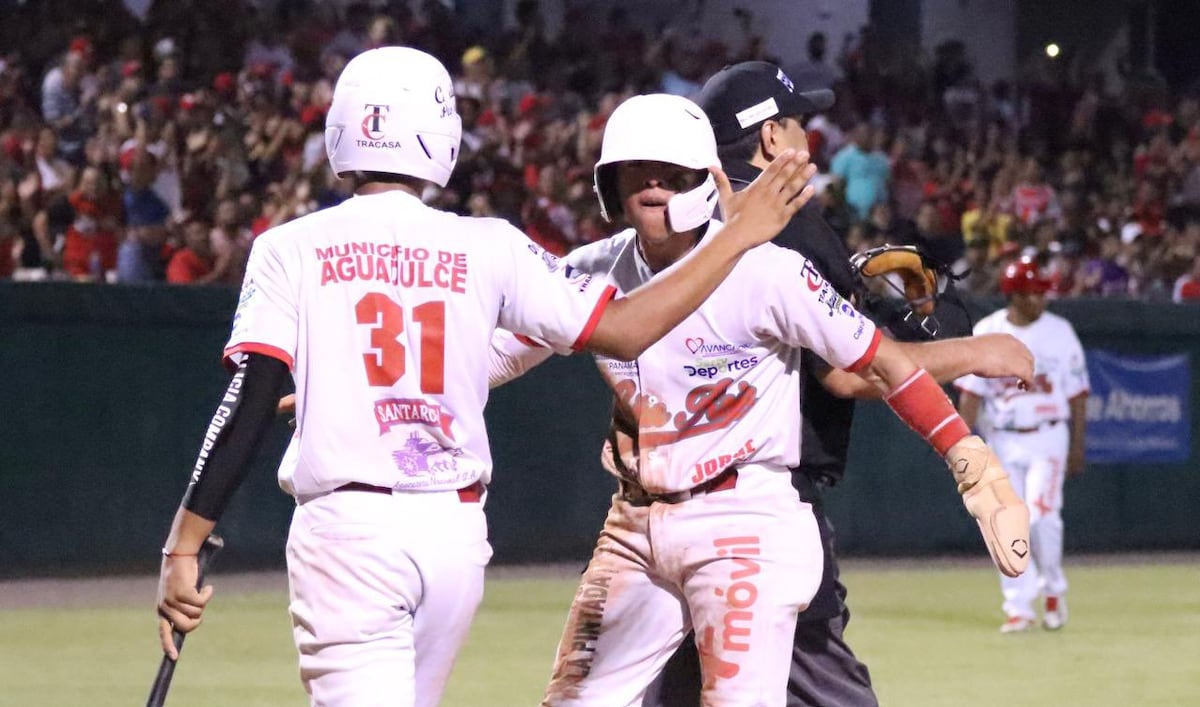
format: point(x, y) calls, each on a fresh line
point(549, 300)
point(512, 356)
point(801, 308)
point(267, 316)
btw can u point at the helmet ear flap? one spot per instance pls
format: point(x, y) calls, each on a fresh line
point(604, 183)
point(656, 128)
point(333, 138)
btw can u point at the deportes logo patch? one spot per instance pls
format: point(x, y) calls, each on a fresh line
point(373, 121)
point(713, 367)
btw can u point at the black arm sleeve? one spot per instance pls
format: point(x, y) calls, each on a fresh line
point(237, 426)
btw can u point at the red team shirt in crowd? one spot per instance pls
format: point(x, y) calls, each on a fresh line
point(383, 331)
point(1032, 202)
point(1060, 373)
point(186, 267)
point(90, 246)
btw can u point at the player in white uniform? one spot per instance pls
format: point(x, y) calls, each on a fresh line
point(1037, 432)
point(706, 531)
point(382, 309)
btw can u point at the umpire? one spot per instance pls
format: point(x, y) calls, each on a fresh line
point(756, 113)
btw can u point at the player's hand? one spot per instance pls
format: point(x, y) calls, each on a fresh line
point(179, 604)
point(760, 211)
point(287, 406)
point(1002, 356)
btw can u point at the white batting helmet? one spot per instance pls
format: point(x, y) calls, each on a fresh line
point(393, 111)
point(656, 127)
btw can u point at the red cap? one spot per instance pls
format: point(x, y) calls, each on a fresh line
point(81, 45)
point(131, 68)
point(223, 82)
point(1023, 276)
point(529, 103)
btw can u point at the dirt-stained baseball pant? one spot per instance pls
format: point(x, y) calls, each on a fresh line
point(737, 564)
point(383, 590)
point(1036, 462)
point(824, 669)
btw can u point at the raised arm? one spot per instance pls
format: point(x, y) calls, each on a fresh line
point(629, 325)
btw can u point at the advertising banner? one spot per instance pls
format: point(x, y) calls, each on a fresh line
point(1139, 408)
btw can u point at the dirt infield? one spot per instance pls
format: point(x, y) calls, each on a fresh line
point(140, 589)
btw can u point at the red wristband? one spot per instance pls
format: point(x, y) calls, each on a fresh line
point(924, 407)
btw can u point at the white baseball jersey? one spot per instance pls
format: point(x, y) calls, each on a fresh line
point(724, 385)
point(383, 308)
point(1060, 373)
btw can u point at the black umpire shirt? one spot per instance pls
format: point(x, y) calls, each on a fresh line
point(826, 419)
point(825, 430)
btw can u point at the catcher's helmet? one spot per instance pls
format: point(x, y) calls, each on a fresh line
point(1024, 277)
point(657, 127)
point(393, 111)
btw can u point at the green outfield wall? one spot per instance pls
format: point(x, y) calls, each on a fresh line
point(105, 392)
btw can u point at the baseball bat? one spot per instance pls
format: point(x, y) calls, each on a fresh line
point(166, 669)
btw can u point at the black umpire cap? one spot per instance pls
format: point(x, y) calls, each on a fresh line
point(740, 97)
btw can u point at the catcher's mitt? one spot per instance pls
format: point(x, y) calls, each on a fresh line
point(918, 275)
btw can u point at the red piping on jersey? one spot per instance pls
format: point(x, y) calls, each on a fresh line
point(594, 320)
point(251, 347)
point(866, 359)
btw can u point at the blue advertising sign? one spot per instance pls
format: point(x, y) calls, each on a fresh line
point(1139, 408)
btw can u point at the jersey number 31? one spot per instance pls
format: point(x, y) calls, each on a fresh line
point(386, 363)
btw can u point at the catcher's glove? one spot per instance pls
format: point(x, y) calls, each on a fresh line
point(915, 271)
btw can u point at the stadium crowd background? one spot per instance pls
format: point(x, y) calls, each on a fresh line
point(158, 149)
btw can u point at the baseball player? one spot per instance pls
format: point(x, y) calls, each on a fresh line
point(1038, 433)
point(757, 112)
point(706, 532)
point(380, 308)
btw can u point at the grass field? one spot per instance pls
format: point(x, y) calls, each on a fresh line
point(928, 633)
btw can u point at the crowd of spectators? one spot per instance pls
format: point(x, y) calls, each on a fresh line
point(143, 149)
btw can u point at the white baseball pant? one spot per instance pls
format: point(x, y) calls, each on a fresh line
point(383, 591)
point(737, 564)
point(1036, 463)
